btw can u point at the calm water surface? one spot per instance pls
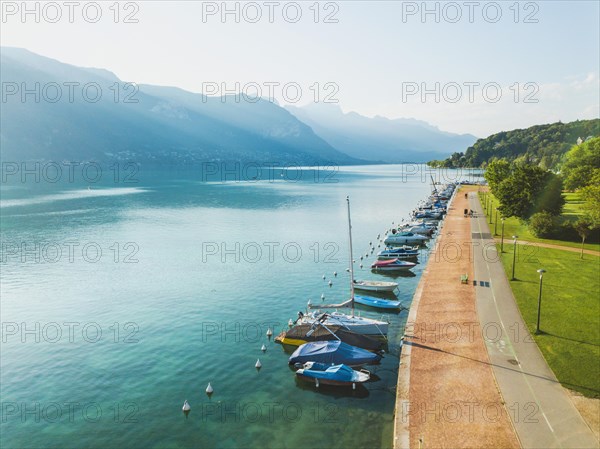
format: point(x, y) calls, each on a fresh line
point(129, 298)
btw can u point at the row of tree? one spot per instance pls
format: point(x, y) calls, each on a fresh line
point(533, 193)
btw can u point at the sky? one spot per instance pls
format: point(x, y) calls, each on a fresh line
point(466, 67)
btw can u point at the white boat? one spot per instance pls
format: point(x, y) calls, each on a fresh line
point(405, 238)
point(358, 324)
point(375, 286)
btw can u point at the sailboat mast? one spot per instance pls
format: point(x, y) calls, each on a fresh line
point(351, 261)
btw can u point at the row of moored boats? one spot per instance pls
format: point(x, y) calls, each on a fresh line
point(333, 347)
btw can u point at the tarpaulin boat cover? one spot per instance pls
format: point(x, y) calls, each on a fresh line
point(341, 373)
point(320, 334)
point(332, 352)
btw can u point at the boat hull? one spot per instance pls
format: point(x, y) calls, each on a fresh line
point(380, 287)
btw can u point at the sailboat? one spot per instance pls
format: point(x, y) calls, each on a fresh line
point(358, 324)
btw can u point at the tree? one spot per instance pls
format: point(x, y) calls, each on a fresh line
point(580, 163)
point(583, 228)
point(528, 189)
point(497, 171)
point(542, 224)
point(549, 198)
point(591, 198)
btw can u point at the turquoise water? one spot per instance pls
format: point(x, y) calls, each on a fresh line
point(129, 298)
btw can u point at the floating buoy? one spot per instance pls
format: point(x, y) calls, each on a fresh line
point(370, 243)
point(186, 407)
point(347, 270)
point(322, 296)
point(258, 365)
point(330, 283)
point(263, 348)
point(361, 257)
point(317, 382)
point(269, 332)
point(353, 260)
point(323, 277)
point(290, 323)
point(335, 273)
point(361, 265)
point(209, 389)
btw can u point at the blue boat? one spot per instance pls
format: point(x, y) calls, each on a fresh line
point(321, 373)
point(332, 353)
point(377, 302)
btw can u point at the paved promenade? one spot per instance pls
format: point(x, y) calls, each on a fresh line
point(540, 409)
point(447, 396)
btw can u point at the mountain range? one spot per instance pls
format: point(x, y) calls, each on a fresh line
point(56, 111)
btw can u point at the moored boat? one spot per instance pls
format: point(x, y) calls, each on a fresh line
point(333, 352)
point(392, 265)
point(375, 286)
point(305, 333)
point(405, 238)
point(377, 302)
point(340, 375)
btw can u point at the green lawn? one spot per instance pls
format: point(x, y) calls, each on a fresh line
point(513, 226)
point(570, 316)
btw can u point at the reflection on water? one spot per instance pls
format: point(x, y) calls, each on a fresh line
point(216, 264)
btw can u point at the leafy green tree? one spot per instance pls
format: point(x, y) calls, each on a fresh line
point(580, 163)
point(542, 224)
point(497, 171)
point(591, 198)
point(527, 190)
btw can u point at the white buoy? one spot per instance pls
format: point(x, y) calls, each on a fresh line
point(209, 389)
point(361, 257)
point(322, 296)
point(258, 365)
point(290, 323)
point(269, 332)
point(348, 270)
point(330, 283)
point(323, 277)
point(263, 347)
point(186, 407)
point(361, 265)
point(335, 273)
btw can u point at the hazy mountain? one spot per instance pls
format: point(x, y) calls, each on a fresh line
point(380, 138)
point(163, 125)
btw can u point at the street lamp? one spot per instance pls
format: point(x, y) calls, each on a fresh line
point(496, 223)
point(515, 237)
point(502, 239)
point(537, 327)
point(490, 209)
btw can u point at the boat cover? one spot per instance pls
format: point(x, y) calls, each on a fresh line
point(332, 352)
point(340, 373)
point(299, 332)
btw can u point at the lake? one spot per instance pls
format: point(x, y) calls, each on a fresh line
point(121, 298)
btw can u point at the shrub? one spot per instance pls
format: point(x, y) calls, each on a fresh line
point(542, 224)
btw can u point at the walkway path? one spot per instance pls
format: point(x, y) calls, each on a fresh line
point(552, 246)
point(447, 396)
point(540, 409)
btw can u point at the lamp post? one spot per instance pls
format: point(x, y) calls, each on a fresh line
point(490, 209)
point(496, 223)
point(515, 237)
point(537, 327)
point(502, 239)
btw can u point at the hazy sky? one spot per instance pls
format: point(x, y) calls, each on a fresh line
point(376, 56)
